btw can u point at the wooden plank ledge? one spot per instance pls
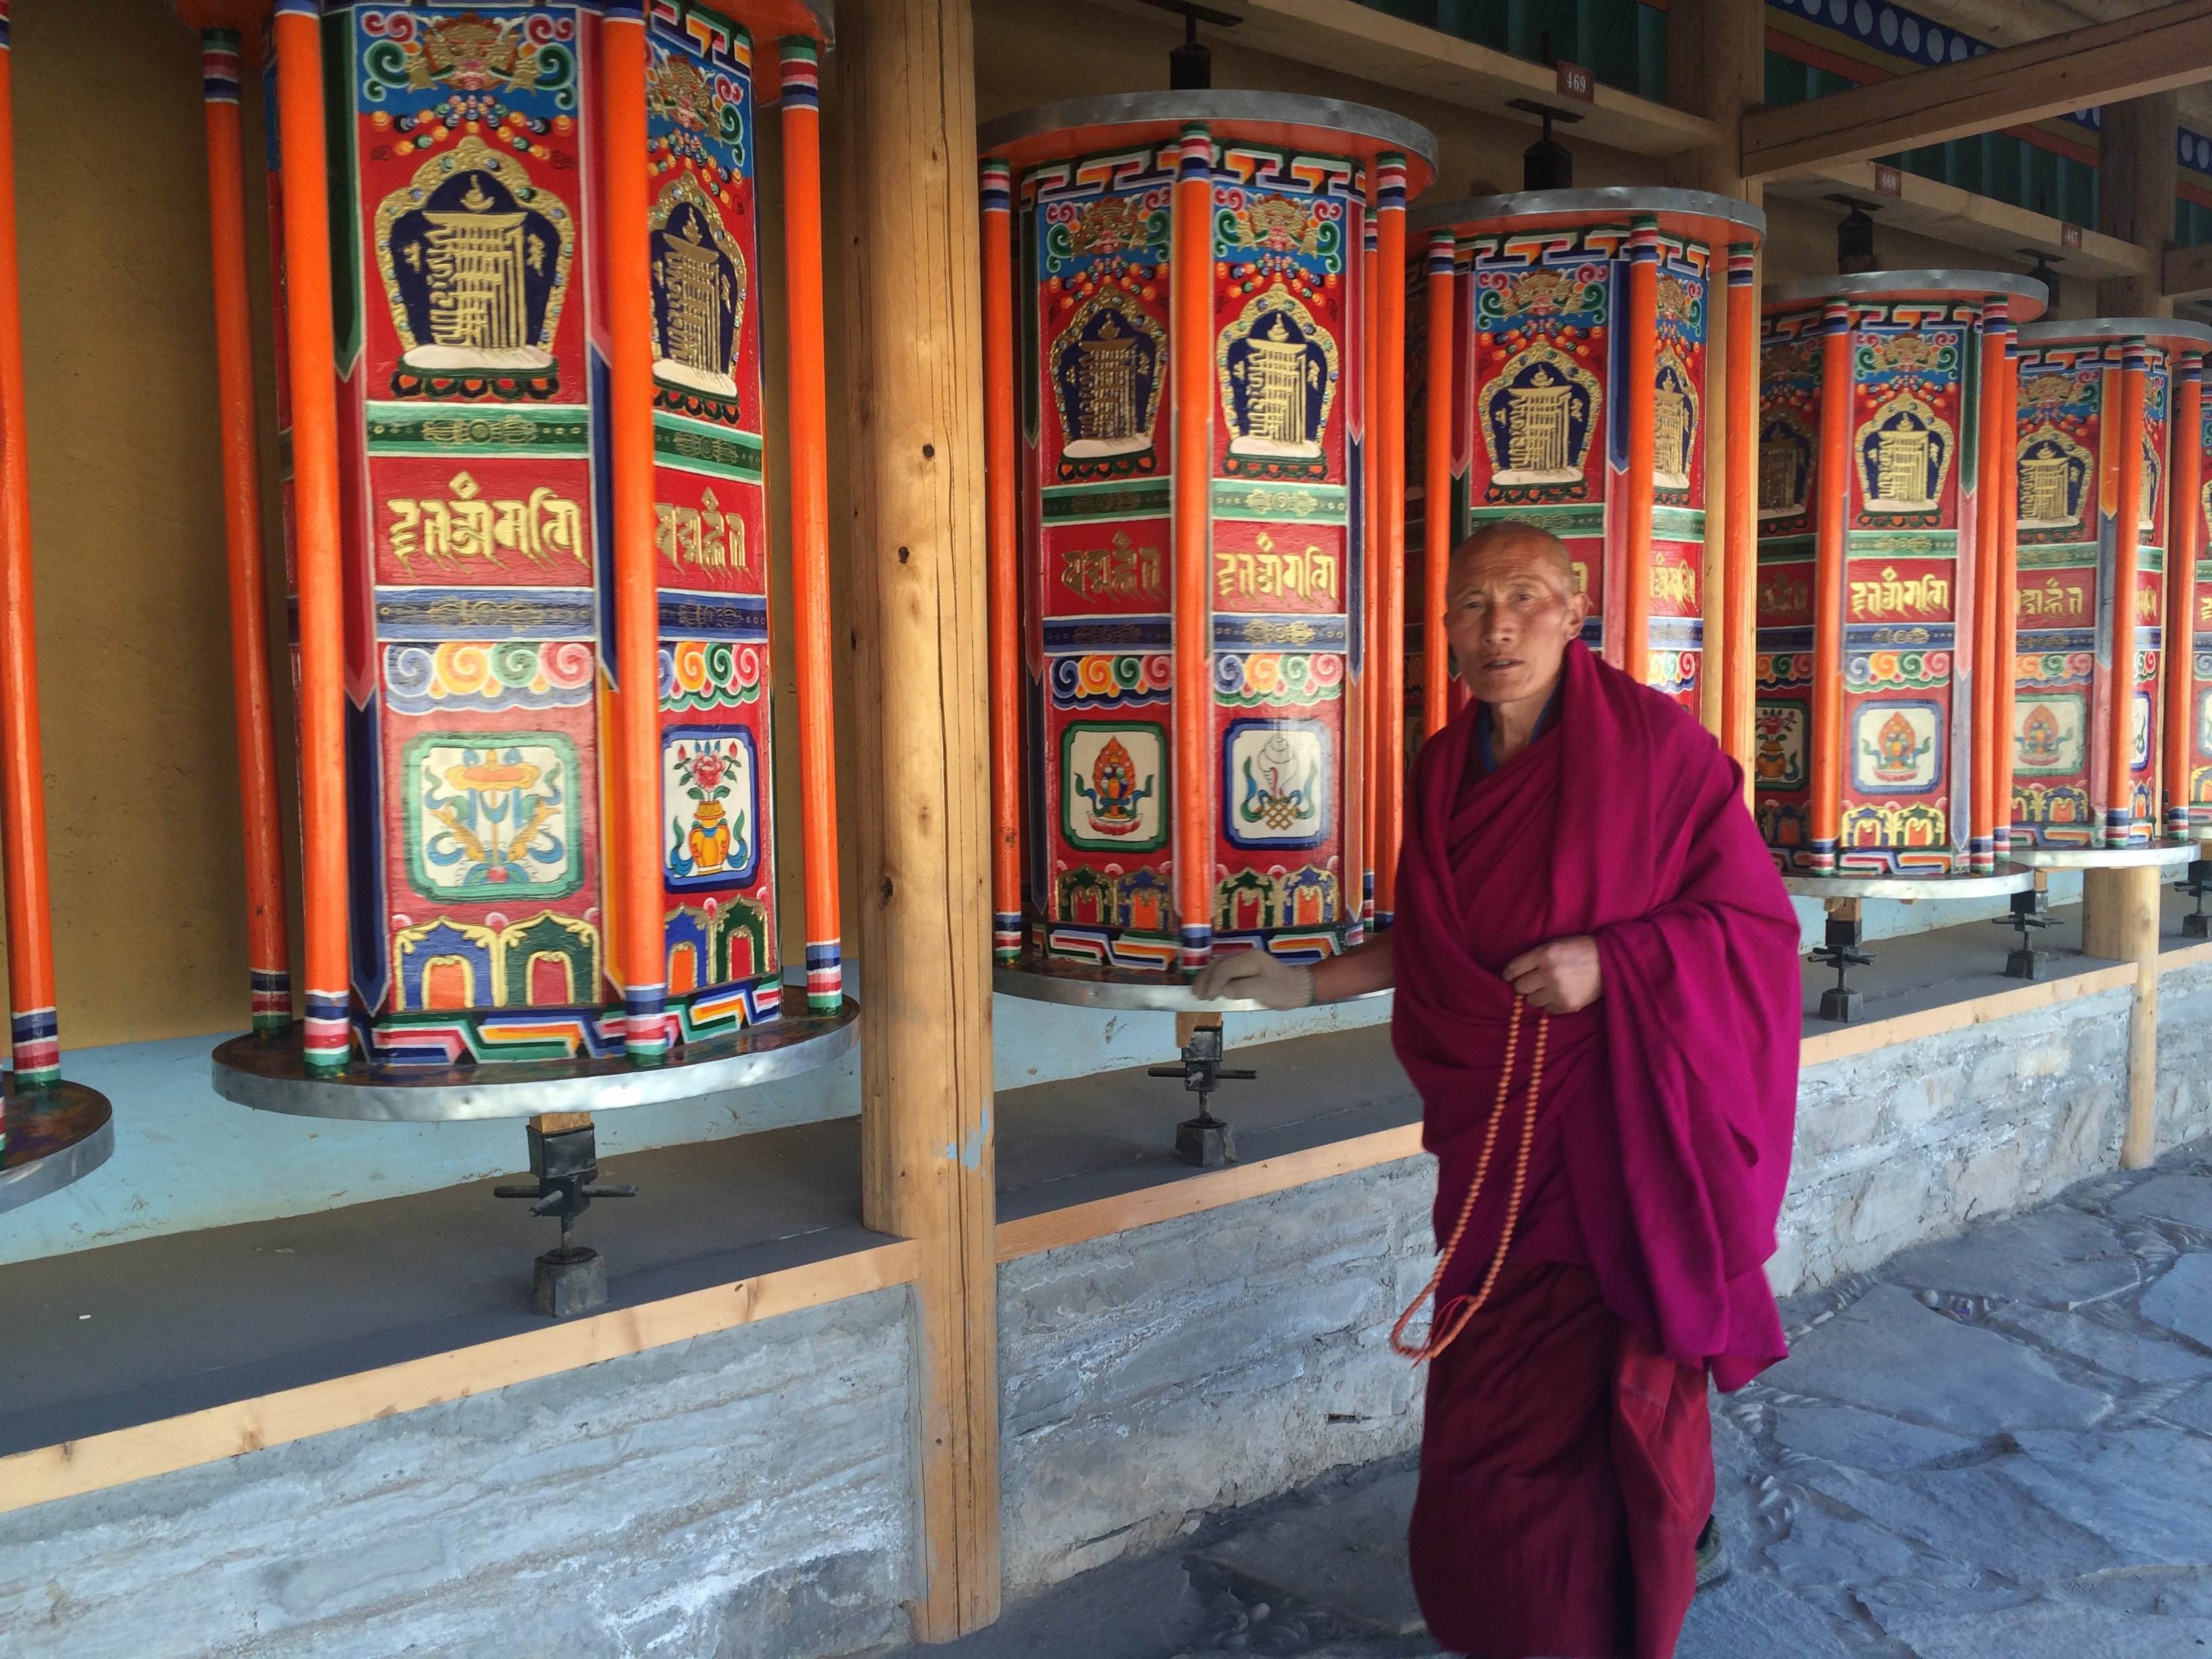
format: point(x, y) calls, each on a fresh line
point(1080, 1223)
point(77, 1466)
point(1850, 1040)
point(2187, 956)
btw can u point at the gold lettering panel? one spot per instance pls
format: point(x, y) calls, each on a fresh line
point(1262, 572)
point(1119, 570)
point(464, 530)
point(704, 537)
point(1925, 593)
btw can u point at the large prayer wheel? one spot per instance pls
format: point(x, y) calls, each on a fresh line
point(1883, 430)
point(2097, 431)
point(1179, 410)
point(1564, 334)
point(521, 325)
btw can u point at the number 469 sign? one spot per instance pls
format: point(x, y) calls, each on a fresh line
point(1576, 82)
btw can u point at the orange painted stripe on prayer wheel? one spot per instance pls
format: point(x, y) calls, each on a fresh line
point(267, 942)
point(807, 457)
point(1436, 489)
point(1739, 544)
point(1370, 464)
point(1834, 481)
point(1190, 320)
point(1000, 530)
point(2127, 561)
point(636, 880)
point(35, 1038)
point(2008, 587)
point(1634, 601)
point(1389, 422)
point(311, 354)
point(1993, 414)
point(2184, 545)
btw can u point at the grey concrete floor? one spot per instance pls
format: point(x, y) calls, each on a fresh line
point(1999, 1447)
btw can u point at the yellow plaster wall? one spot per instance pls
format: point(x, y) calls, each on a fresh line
point(126, 498)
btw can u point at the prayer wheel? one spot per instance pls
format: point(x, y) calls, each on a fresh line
point(520, 334)
point(1563, 336)
point(1882, 458)
point(1184, 437)
point(52, 1132)
point(2103, 408)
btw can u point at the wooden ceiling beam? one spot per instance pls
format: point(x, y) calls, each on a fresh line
point(2168, 46)
point(2188, 271)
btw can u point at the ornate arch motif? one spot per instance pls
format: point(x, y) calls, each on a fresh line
point(1539, 416)
point(1278, 368)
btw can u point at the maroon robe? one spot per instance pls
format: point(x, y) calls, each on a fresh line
point(1566, 1456)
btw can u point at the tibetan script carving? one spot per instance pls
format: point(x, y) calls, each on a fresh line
point(453, 532)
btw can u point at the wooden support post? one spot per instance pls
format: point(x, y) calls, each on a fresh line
point(2137, 174)
point(2119, 923)
point(915, 420)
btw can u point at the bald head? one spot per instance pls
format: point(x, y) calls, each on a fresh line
point(1511, 612)
point(1511, 542)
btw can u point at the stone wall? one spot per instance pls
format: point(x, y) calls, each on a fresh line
point(1905, 1144)
point(2184, 1056)
point(745, 1495)
point(1152, 1375)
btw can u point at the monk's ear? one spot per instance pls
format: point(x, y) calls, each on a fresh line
point(1577, 611)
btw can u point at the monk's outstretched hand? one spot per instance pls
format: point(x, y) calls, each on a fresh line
point(1260, 974)
point(1561, 977)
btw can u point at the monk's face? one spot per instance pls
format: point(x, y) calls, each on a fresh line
point(1511, 609)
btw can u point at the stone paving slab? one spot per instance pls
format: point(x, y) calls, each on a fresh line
point(1348, 1557)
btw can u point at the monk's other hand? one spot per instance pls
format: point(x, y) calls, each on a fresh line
point(1561, 977)
point(1259, 974)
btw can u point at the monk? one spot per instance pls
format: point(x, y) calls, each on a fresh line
point(1598, 997)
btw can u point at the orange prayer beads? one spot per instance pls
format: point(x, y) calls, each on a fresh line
point(1451, 1321)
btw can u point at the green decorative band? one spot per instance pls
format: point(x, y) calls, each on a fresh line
point(2069, 555)
point(1579, 519)
point(1902, 543)
point(1679, 524)
point(1305, 503)
point(698, 448)
point(432, 429)
point(1788, 550)
point(1084, 503)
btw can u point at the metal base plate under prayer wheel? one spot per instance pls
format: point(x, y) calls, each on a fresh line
point(271, 1075)
point(2163, 853)
point(55, 1136)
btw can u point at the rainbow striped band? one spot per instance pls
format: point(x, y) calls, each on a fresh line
point(313, 8)
point(4, 25)
point(37, 1037)
point(1837, 319)
point(1368, 240)
point(802, 74)
point(1195, 155)
point(1644, 242)
point(1742, 263)
point(1385, 921)
point(2119, 825)
point(997, 187)
point(1197, 947)
point(1390, 182)
point(1440, 252)
point(825, 975)
point(1006, 934)
point(326, 1037)
point(2190, 368)
point(644, 1022)
point(2135, 355)
point(272, 999)
point(1820, 858)
point(219, 65)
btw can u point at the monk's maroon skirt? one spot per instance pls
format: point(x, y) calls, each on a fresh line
point(1566, 1470)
